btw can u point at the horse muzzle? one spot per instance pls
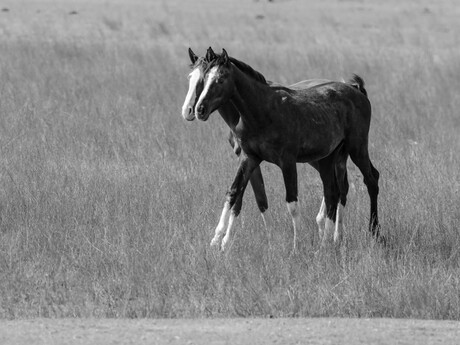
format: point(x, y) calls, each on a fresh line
point(201, 113)
point(187, 113)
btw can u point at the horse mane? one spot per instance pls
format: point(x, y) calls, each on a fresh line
point(243, 67)
point(201, 61)
point(248, 70)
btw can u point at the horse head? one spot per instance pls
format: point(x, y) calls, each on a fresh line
point(195, 86)
point(218, 84)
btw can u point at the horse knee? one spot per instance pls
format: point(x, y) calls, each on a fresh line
point(375, 173)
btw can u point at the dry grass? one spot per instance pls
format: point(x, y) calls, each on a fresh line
point(108, 199)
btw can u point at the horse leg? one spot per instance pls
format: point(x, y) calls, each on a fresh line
point(342, 184)
point(371, 178)
point(331, 196)
point(289, 170)
point(224, 217)
point(374, 210)
point(321, 218)
point(234, 199)
point(257, 183)
point(220, 229)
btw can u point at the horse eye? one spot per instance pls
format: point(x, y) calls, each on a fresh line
point(219, 80)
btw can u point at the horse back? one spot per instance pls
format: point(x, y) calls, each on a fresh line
point(344, 106)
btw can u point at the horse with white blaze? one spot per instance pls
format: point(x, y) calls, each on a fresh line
point(318, 122)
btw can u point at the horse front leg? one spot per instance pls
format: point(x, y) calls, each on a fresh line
point(257, 183)
point(233, 204)
point(256, 180)
point(289, 170)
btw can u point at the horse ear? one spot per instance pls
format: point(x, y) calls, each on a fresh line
point(192, 55)
point(224, 56)
point(210, 55)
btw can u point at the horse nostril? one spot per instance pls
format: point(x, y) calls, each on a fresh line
point(200, 109)
point(190, 109)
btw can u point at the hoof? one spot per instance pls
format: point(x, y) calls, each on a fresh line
point(338, 238)
point(382, 240)
point(215, 242)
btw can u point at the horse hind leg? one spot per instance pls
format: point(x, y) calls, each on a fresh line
point(343, 187)
point(374, 224)
point(321, 219)
point(331, 198)
point(371, 180)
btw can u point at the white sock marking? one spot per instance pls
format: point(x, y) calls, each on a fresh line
point(294, 212)
point(338, 234)
point(321, 219)
point(229, 230)
point(222, 224)
point(328, 230)
point(264, 220)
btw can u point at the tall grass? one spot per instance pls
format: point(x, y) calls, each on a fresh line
point(108, 199)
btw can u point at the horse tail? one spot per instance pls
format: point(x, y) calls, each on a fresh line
point(357, 82)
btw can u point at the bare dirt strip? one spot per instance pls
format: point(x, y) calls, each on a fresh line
point(229, 331)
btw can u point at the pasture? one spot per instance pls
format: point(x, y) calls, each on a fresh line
point(109, 199)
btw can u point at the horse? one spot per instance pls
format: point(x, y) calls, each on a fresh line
point(331, 162)
point(231, 117)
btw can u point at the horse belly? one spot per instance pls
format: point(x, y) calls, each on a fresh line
point(315, 150)
point(269, 150)
point(311, 155)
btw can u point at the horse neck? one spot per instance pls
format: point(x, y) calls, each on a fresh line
point(230, 114)
point(251, 99)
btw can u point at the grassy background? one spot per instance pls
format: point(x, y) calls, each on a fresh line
point(108, 199)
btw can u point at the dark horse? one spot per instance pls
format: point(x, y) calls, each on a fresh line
point(231, 116)
point(319, 122)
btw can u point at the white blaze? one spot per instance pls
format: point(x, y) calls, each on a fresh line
point(209, 81)
point(187, 108)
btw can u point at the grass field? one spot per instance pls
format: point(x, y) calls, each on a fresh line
point(109, 199)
